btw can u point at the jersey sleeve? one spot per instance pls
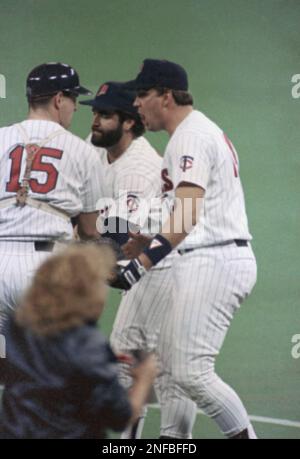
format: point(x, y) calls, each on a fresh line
point(93, 184)
point(190, 158)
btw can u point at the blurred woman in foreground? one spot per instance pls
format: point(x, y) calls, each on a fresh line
point(60, 373)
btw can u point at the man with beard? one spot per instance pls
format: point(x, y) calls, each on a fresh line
point(131, 168)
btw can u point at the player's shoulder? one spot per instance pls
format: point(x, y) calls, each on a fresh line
point(75, 138)
point(198, 123)
point(142, 151)
point(8, 130)
point(141, 158)
point(196, 127)
point(82, 148)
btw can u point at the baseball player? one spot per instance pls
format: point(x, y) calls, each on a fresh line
point(132, 179)
point(216, 269)
point(48, 176)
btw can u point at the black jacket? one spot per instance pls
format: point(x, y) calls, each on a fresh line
point(60, 387)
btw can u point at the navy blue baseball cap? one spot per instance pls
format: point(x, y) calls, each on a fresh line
point(157, 73)
point(50, 78)
point(114, 95)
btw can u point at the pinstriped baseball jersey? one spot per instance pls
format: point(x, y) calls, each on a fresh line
point(66, 173)
point(200, 153)
point(133, 179)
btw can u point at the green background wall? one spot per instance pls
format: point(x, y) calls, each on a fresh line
point(240, 56)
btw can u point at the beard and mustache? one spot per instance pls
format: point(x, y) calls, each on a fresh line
point(106, 139)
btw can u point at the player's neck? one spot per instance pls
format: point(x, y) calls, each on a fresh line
point(41, 114)
point(117, 150)
point(176, 116)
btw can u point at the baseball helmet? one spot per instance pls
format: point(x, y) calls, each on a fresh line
point(50, 78)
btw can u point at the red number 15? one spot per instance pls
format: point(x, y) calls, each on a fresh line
point(16, 156)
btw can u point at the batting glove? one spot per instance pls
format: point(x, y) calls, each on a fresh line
point(129, 275)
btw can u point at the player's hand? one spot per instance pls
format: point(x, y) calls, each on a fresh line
point(125, 277)
point(146, 370)
point(118, 281)
point(136, 244)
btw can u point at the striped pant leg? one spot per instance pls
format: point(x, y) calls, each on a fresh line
point(18, 263)
point(138, 320)
point(178, 411)
point(138, 325)
point(209, 286)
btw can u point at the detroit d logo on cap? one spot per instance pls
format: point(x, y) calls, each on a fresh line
point(2, 87)
point(102, 90)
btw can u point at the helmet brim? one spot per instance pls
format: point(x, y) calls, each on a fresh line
point(79, 90)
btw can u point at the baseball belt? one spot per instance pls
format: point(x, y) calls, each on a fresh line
point(40, 205)
point(237, 242)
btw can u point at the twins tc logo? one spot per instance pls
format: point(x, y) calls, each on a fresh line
point(132, 202)
point(186, 162)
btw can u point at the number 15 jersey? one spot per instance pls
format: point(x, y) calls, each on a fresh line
point(66, 173)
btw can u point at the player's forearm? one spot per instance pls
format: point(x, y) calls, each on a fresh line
point(175, 230)
point(188, 200)
point(143, 378)
point(86, 226)
point(169, 233)
point(181, 221)
point(138, 397)
point(179, 225)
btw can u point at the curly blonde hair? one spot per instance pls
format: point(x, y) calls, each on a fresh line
point(68, 289)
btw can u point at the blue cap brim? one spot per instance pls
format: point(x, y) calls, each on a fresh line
point(102, 105)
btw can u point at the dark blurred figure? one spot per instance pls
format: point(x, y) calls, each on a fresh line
point(60, 373)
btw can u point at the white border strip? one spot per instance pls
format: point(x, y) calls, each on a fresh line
point(262, 419)
point(278, 422)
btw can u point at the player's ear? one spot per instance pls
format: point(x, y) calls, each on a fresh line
point(128, 125)
point(57, 100)
point(167, 98)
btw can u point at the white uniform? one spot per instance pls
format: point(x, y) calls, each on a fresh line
point(213, 274)
point(135, 177)
point(66, 174)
